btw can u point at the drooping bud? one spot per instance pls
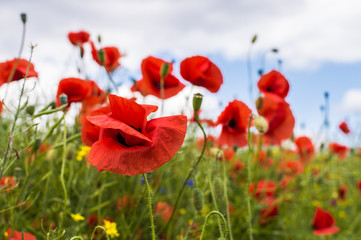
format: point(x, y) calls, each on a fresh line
point(37, 144)
point(197, 101)
point(30, 110)
point(261, 124)
point(63, 98)
point(23, 17)
point(198, 200)
point(164, 69)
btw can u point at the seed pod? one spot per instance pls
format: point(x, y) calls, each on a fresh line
point(218, 188)
point(197, 101)
point(198, 200)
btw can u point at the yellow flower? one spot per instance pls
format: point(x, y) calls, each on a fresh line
point(182, 211)
point(77, 217)
point(111, 228)
point(84, 150)
point(342, 214)
point(6, 234)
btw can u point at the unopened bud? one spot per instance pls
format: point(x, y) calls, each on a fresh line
point(53, 106)
point(259, 103)
point(30, 110)
point(101, 56)
point(37, 144)
point(274, 50)
point(63, 98)
point(197, 101)
point(164, 69)
point(99, 38)
point(254, 39)
point(23, 17)
point(261, 124)
point(198, 200)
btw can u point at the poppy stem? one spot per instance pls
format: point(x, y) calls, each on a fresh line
point(11, 135)
point(249, 178)
point(149, 198)
point(220, 216)
point(111, 79)
point(226, 194)
point(189, 174)
point(12, 73)
point(62, 176)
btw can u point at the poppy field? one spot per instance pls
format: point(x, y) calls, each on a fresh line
point(123, 169)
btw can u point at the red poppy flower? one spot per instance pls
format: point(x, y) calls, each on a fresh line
point(200, 71)
point(210, 141)
point(279, 116)
point(1, 107)
point(323, 223)
point(90, 132)
point(305, 148)
point(228, 154)
point(15, 235)
point(264, 160)
point(340, 150)
point(234, 120)
point(129, 144)
point(342, 190)
point(111, 57)
point(274, 82)
point(164, 210)
point(78, 90)
point(265, 189)
point(7, 182)
point(20, 71)
point(291, 167)
point(78, 38)
point(344, 127)
point(150, 83)
point(268, 213)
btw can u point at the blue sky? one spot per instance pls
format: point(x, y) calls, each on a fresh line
point(318, 42)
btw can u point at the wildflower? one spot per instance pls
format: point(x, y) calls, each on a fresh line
point(111, 228)
point(7, 182)
point(265, 189)
point(305, 148)
point(340, 150)
point(111, 57)
point(15, 235)
point(342, 190)
point(150, 83)
point(234, 120)
point(279, 117)
point(344, 127)
point(78, 38)
point(164, 210)
point(79, 90)
point(200, 71)
point(77, 217)
point(274, 82)
point(323, 223)
point(84, 150)
point(20, 71)
point(129, 144)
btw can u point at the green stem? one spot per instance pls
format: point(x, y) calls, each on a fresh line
point(11, 136)
point(194, 167)
point(249, 178)
point(205, 222)
point(111, 79)
point(62, 176)
point(102, 228)
point(149, 198)
point(226, 195)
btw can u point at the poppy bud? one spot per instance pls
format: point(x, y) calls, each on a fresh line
point(99, 38)
point(101, 55)
point(218, 188)
point(197, 101)
point(37, 144)
point(23, 17)
point(254, 39)
point(259, 102)
point(261, 124)
point(274, 50)
point(30, 110)
point(51, 154)
point(63, 99)
point(164, 69)
point(198, 200)
point(52, 104)
point(326, 95)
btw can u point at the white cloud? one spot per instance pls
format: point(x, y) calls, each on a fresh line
point(351, 101)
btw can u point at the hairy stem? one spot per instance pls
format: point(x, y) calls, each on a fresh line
point(149, 199)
